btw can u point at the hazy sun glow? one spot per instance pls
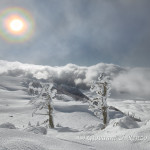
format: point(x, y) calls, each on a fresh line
point(15, 25)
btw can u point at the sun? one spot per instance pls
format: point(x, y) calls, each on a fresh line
point(16, 25)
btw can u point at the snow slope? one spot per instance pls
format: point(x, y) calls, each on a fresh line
point(76, 127)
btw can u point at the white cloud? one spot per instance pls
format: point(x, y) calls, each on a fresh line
point(133, 81)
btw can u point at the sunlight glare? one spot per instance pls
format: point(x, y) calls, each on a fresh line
point(16, 25)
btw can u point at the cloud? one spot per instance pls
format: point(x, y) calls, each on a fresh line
point(135, 81)
point(126, 82)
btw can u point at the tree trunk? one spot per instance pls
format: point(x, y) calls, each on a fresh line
point(104, 108)
point(50, 109)
point(104, 112)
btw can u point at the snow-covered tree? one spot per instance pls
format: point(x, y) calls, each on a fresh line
point(98, 104)
point(34, 88)
point(43, 103)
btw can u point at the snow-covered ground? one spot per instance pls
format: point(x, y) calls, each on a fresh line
point(76, 128)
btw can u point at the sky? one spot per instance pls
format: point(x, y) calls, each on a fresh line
point(82, 32)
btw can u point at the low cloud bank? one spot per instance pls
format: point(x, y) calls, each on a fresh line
point(135, 81)
point(125, 81)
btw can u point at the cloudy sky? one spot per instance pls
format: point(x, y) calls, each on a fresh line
point(83, 32)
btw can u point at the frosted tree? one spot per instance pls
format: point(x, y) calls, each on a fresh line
point(43, 103)
point(34, 88)
point(98, 104)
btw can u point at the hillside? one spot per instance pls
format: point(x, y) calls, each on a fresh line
point(76, 127)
